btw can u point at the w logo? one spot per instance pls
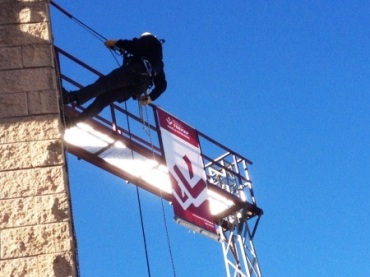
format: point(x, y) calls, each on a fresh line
point(169, 121)
point(186, 170)
point(190, 189)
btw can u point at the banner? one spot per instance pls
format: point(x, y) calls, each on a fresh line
point(188, 179)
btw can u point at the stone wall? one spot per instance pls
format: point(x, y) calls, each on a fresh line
point(36, 233)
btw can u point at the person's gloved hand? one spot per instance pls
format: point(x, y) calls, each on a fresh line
point(110, 43)
point(145, 100)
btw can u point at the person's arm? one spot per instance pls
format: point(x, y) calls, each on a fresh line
point(160, 85)
point(130, 46)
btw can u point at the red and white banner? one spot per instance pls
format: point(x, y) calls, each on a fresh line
point(188, 179)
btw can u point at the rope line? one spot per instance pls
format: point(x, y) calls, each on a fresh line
point(115, 51)
point(143, 231)
point(146, 126)
point(139, 201)
point(86, 27)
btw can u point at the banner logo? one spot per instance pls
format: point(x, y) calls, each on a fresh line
point(186, 170)
point(176, 127)
point(189, 190)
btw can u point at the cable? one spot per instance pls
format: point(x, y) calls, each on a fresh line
point(114, 51)
point(146, 126)
point(86, 27)
point(139, 201)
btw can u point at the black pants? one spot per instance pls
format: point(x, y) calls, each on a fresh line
point(119, 85)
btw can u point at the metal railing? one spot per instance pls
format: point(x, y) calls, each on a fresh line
point(224, 167)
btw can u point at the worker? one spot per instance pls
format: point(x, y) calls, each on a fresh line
point(142, 68)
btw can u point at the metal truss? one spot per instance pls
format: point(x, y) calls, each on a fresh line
point(236, 230)
point(239, 253)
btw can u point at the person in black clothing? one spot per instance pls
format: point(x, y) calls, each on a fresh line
point(142, 68)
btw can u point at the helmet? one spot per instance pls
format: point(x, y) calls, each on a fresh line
point(147, 34)
point(150, 34)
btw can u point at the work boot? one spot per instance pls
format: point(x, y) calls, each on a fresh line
point(70, 121)
point(68, 97)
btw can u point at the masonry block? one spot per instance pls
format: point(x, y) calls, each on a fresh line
point(13, 105)
point(52, 208)
point(50, 180)
point(17, 183)
point(11, 58)
point(43, 102)
point(9, 12)
point(19, 80)
point(35, 240)
point(24, 34)
point(37, 55)
point(29, 129)
point(22, 12)
point(32, 182)
point(18, 212)
point(56, 265)
point(25, 267)
point(34, 11)
point(34, 154)
point(15, 156)
point(30, 211)
point(47, 153)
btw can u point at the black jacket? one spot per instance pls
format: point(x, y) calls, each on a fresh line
point(150, 48)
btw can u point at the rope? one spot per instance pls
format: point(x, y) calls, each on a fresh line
point(143, 230)
point(139, 201)
point(146, 125)
point(115, 51)
point(86, 27)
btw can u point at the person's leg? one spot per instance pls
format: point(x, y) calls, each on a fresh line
point(119, 85)
point(96, 107)
point(89, 92)
point(92, 110)
point(118, 78)
point(103, 101)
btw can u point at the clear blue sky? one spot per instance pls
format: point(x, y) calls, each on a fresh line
point(284, 83)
